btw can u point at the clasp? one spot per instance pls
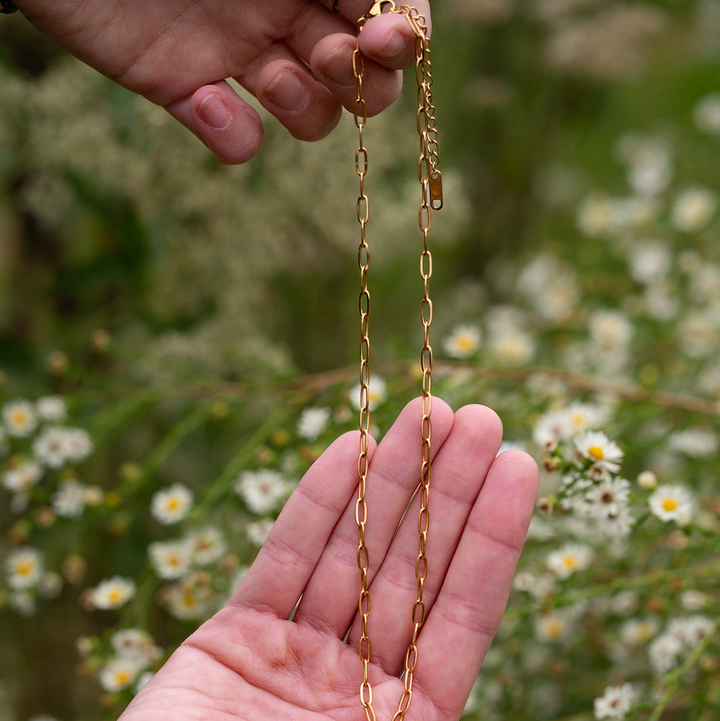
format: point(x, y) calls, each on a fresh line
point(376, 9)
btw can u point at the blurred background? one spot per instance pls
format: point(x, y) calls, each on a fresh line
point(186, 313)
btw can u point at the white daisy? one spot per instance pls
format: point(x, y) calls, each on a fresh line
point(691, 630)
point(672, 503)
point(118, 674)
point(608, 497)
point(584, 416)
point(663, 653)
point(22, 477)
point(312, 422)
point(524, 581)
point(597, 215)
point(23, 603)
point(693, 209)
point(615, 702)
point(598, 448)
point(24, 568)
point(136, 645)
point(693, 600)
point(52, 408)
point(615, 524)
point(259, 531)
point(69, 500)
point(113, 592)
point(172, 504)
point(511, 345)
point(51, 447)
point(551, 627)
point(377, 391)
point(694, 442)
point(50, 585)
point(638, 633)
point(568, 559)
point(20, 418)
point(206, 546)
point(650, 261)
point(170, 559)
point(261, 490)
point(78, 443)
point(462, 342)
point(610, 330)
point(647, 480)
point(186, 601)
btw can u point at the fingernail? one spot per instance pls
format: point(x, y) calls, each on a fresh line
point(288, 91)
point(213, 111)
point(338, 66)
point(393, 46)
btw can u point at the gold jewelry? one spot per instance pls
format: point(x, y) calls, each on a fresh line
point(431, 199)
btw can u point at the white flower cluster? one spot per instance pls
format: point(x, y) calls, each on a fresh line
point(28, 579)
point(191, 595)
point(134, 653)
point(682, 635)
point(590, 487)
point(177, 558)
point(41, 445)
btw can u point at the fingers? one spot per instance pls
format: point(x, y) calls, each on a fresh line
point(290, 92)
point(458, 473)
point(331, 62)
point(230, 127)
point(467, 613)
point(300, 534)
point(331, 596)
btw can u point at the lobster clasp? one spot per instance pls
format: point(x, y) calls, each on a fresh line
point(376, 9)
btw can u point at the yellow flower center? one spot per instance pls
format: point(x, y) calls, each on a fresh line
point(24, 568)
point(173, 504)
point(596, 452)
point(464, 342)
point(553, 628)
point(122, 677)
point(189, 600)
point(669, 504)
point(19, 418)
point(114, 595)
point(173, 560)
point(570, 561)
point(645, 632)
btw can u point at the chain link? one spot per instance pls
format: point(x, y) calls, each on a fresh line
point(431, 199)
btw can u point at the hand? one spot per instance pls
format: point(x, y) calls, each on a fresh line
point(295, 56)
point(249, 662)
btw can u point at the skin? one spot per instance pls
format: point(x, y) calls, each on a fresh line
point(294, 56)
point(249, 662)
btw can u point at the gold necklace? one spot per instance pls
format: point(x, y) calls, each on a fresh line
point(431, 199)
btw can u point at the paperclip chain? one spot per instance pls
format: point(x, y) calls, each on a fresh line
point(431, 199)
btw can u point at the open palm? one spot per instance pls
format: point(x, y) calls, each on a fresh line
point(250, 662)
point(293, 55)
